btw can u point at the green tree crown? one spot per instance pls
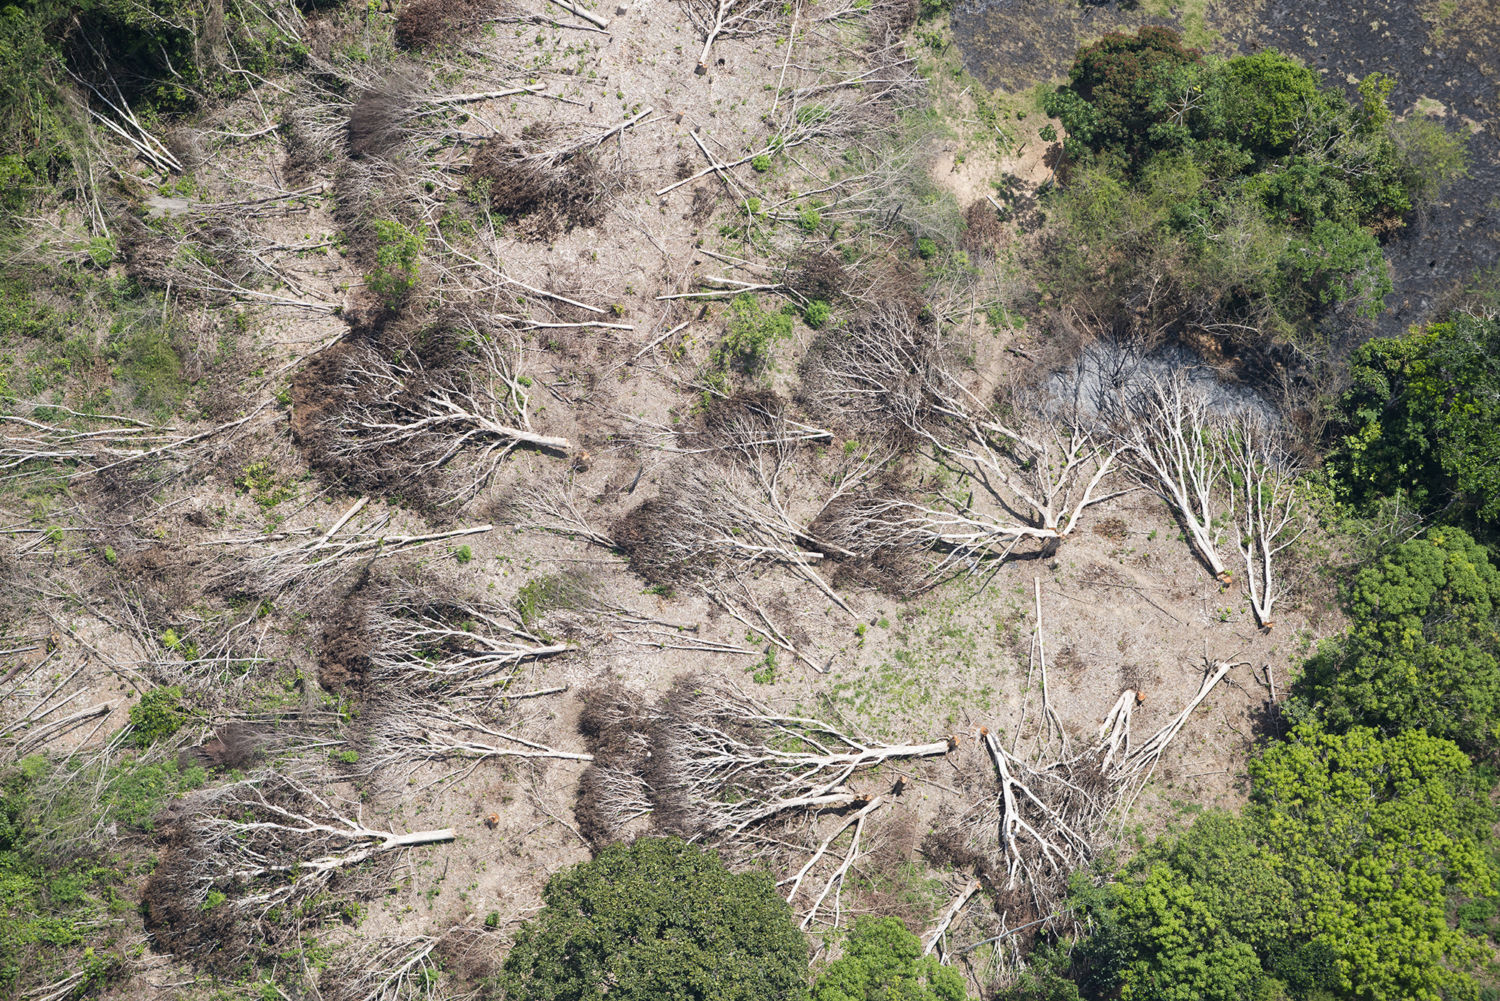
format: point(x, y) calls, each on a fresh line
point(658, 920)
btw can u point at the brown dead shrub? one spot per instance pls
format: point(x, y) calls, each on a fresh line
point(377, 120)
point(642, 534)
point(887, 868)
point(175, 920)
point(161, 579)
point(946, 845)
point(344, 653)
point(616, 725)
point(234, 745)
point(337, 382)
point(1112, 529)
point(896, 16)
point(422, 24)
point(705, 199)
point(819, 276)
point(753, 414)
point(984, 233)
point(544, 193)
point(900, 570)
point(471, 957)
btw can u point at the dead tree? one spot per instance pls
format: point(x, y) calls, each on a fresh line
point(241, 858)
point(321, 557)
point(88, 444)
point(406, 730)
point(1022, 483)
point(1271, 516)
point(425, 634)
point(1046, 814)
point(39, 707)
point(390, 969)
point(1173, 442)
point(717, 19)
point(750, 507)
point(402, 421)
point(716, 765)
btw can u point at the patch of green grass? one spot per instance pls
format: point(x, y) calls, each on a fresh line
point(944, 662)
point(553, 592)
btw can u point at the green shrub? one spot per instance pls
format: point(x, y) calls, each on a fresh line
point(883, 961)
point(145, 354)
point(1431, 157)
point(552, 592)
point(157, 716)
point(50, 903)
point(1421, 418)
point(658, 920)
point(397, 254)
point(137, 788)
point(926, 247)
point(760, 163)
point(816, 314)
point(750, 336)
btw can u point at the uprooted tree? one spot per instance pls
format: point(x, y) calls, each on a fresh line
point(429, 415)
point(708, 762)
point(256, 857)
point(1026, 474)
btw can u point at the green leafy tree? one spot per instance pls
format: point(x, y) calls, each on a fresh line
point(1264, 98)
point(658, 920)
point(1423, 651)
point(883, 961)
point(1333, 884)
point(1336, 263)
point(1190, 916)
point(1119, 91)
point(1430, 155)
point(1230, 194)
point(1422, 417)
point(1375, 834)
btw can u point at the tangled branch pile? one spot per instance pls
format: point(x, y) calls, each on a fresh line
point(548, 185)
point(1026, 474)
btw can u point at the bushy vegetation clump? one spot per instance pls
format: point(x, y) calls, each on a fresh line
point(1421, 418)
point(1235, 195)
point(51, 905)
point(750, 336)
point(883, 961)
point(398, 253)
point(1423, 650)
